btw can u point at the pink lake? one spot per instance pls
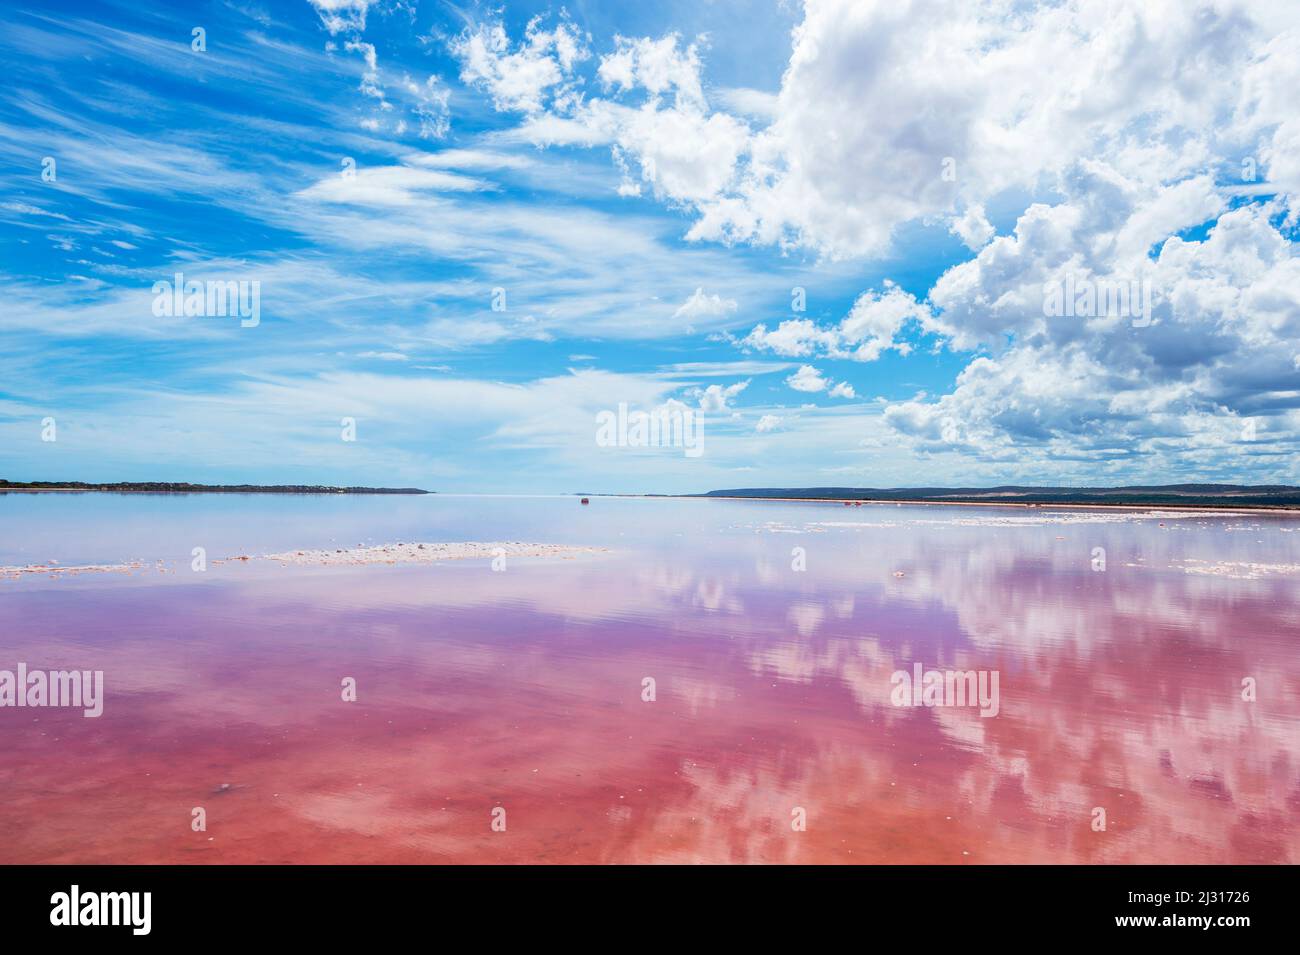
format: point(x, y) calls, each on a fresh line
point(1121, 689)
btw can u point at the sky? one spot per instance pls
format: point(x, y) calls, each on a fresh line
point(839, 232)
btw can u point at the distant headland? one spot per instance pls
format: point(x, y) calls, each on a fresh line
point(169, 487)
point(1269, 496)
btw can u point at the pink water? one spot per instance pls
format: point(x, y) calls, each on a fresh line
point(522, 689)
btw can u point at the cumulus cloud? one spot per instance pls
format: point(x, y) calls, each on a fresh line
point(522, 77)
point(769, 422)
point(701, 305)
point(659, 67)
point(972, 227)
point(807, 378)
point(1130, 166)
point(714, 398)
point(795, 338)
point(954, 102)
point(653, 115)
point(871, 328)
point(682, 150)
point(1219, 346)
point(682, 153)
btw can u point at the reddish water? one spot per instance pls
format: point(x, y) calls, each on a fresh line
point(1119, 689)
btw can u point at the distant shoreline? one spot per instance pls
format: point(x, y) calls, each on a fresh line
point(1070, 505)
point(1181, 497)
point(165, 487)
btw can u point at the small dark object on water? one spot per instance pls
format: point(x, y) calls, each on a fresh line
point(586, 501)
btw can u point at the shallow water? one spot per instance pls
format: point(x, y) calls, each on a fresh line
point(1119, 689)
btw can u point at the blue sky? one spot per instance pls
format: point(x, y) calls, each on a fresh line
point(647, 184)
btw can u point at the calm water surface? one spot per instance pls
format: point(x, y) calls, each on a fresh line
point(1120, 689)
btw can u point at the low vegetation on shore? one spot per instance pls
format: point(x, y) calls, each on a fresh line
point(169, 487)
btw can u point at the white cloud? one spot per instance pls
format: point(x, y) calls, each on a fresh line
point(427, 103)
point(657, 66)
point(340, 16)
point(27, 209)
point(795, 338)
point(714, 398)
point(458, 333)
point(952, 103)
point(768, 422)
point(370, 78)
point(390, 186)
point(843, 390)
point(1225, 323)
point(807, 378)
point(528, 76)
point(749, 102)
point(556, 268)
point(1009, 96)
point(476, 159)
point(670, 138)
point(547, 129)
point(430, 106)
point(973, 228)
point(723, 369)
point(682, 153)
point(870, 328)
point(700, 305)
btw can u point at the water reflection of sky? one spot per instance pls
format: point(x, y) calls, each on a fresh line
point(1119, 689)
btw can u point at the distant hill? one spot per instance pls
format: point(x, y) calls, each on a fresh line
point(168, 487)
point(1153, 495)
